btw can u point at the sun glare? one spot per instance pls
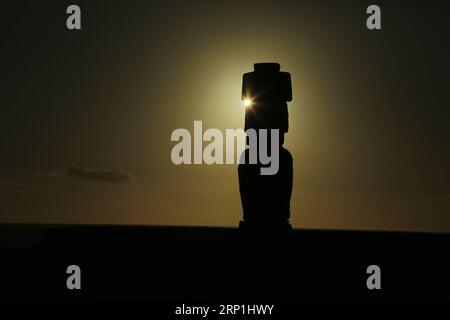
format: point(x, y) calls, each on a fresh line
point(247, 102)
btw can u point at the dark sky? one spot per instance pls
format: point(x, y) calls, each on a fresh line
point(369, 123)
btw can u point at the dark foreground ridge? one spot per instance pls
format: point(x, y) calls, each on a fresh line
point(209, 263)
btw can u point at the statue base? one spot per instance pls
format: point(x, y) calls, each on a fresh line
point(272, 226)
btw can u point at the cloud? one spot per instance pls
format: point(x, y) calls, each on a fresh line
point(13, 187)
point(110, 176)
point(52, 174)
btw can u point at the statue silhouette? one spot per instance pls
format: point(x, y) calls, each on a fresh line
point(266, 198)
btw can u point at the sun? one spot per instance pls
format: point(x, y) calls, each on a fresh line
point(247, 103)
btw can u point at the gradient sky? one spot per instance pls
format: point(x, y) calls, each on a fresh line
point(369, 122)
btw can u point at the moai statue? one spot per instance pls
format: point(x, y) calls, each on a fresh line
point(266, 198)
